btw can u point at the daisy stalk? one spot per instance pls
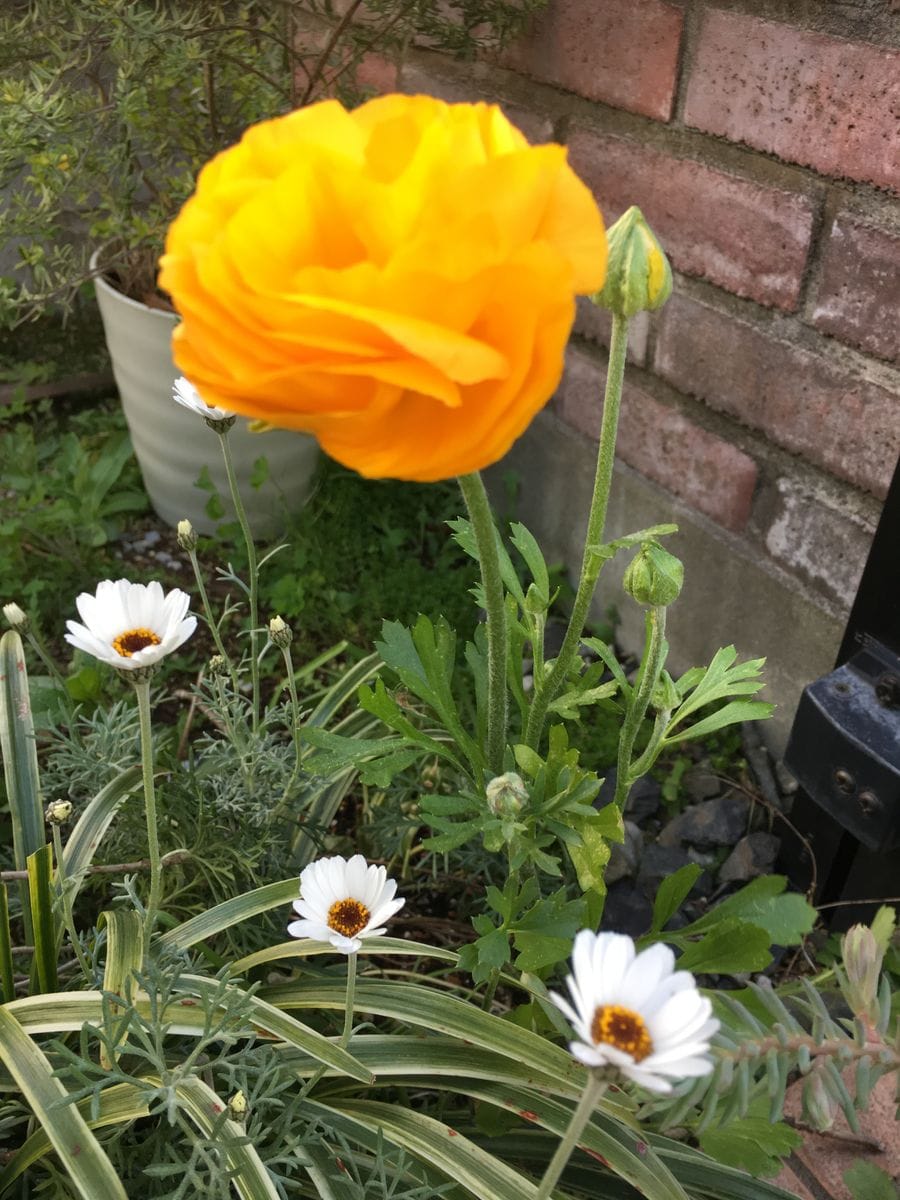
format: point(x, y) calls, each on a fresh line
point(580, 1117)
point(133, 626)
point(187, 540)
point(475, 496)
point(57, 813)
point(252, 571)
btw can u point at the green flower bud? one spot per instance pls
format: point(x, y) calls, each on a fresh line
point(862, 959)
point(506, 794)
point(280, 633)
point(187, 538)
point(238, 1106)
point(58, 811)
point(654, 576)
point(638, 275)
point(16, 617)
point(217, 665)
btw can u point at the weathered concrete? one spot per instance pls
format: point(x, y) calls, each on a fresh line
point(730, 596)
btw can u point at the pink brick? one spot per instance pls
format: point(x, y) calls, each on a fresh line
point(831, 104)
point(709, 474)
point(377, 73)
point(747, 237)
point(800, 400)
point(618, 51)
point(859, 294)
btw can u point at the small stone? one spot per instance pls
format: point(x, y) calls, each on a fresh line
point(625, 856)
point(643, 799)
point(719, 822)
point(786, 781)
point(754, 855)
point(659, 861)
point(700, 783)
point(626, 910)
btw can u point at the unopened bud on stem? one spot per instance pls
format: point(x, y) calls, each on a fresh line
point(280, 633)
point(16, 617)
point(638, 275)
point(653, 577)
point(187, 538)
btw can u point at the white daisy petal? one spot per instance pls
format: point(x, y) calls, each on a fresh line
point(635, 1012)
point(344, 901)
point(185, 394)
point(130, 625)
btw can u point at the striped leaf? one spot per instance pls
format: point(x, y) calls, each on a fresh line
point(78, 1150)
point(7, 988)
point(87, 834)
point(231, 912)
point(20, 766)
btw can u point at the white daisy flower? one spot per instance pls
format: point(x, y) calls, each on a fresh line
point(343, 901)
point(635, 1012)
point(131, 625)
point(185, 394)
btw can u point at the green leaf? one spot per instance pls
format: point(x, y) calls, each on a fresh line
point(785, 916)
point(730, 947)
point(753, 1144)
point(868, 1182)
point(734, 713)
point(124, 949)
point(527, 545)
point(43, 923)
point(79, 1151)
point(595, 833)
point(307, 948)
point(7, 987)
point(883, 926)
point(671, 894)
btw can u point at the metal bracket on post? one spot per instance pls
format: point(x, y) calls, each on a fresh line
point(844, 747)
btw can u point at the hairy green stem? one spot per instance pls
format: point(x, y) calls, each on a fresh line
point(68, 915)
point(482, 519)
point(580, 1117)
point(295, 708)
point(142, 691)
point(546, 690)
point(648, 676)
point(252, 571)
point(210, 620)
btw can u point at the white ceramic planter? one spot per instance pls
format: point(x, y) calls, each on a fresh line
point(172, 445)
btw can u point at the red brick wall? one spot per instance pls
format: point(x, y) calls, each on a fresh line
point(761, 138)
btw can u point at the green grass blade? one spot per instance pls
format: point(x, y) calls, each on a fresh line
point(124, 949)
point(64, 1011)
point(86, 836)
point(232, 912)
point(118, 1104)
point(439, 1013)
point(79, 1151)
point(43, 922)
point(307, 948)
point(434, 1143)
point(20, 766)
point(7, 986)
point(124, 1102)
point(624, 1146)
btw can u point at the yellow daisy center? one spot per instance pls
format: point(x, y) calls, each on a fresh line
point(348, 917)
point(132, 640)
point(623, 1028)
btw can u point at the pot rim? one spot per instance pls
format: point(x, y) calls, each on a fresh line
point(100, 281)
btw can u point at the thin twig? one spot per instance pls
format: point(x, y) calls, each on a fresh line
point(320, 66)
point(143, 864)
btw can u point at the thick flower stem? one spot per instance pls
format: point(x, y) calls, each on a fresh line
point(348, 1008)
point(580, 1117)
point(648, 676)
point(142, 691)
point(546, 690)
point(485, 532)
point(252, 571)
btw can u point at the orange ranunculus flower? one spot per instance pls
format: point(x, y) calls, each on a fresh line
point(398, 280)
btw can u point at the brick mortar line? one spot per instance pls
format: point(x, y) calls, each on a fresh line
point(773, 461)
point(564, 108)
point(812, 16)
